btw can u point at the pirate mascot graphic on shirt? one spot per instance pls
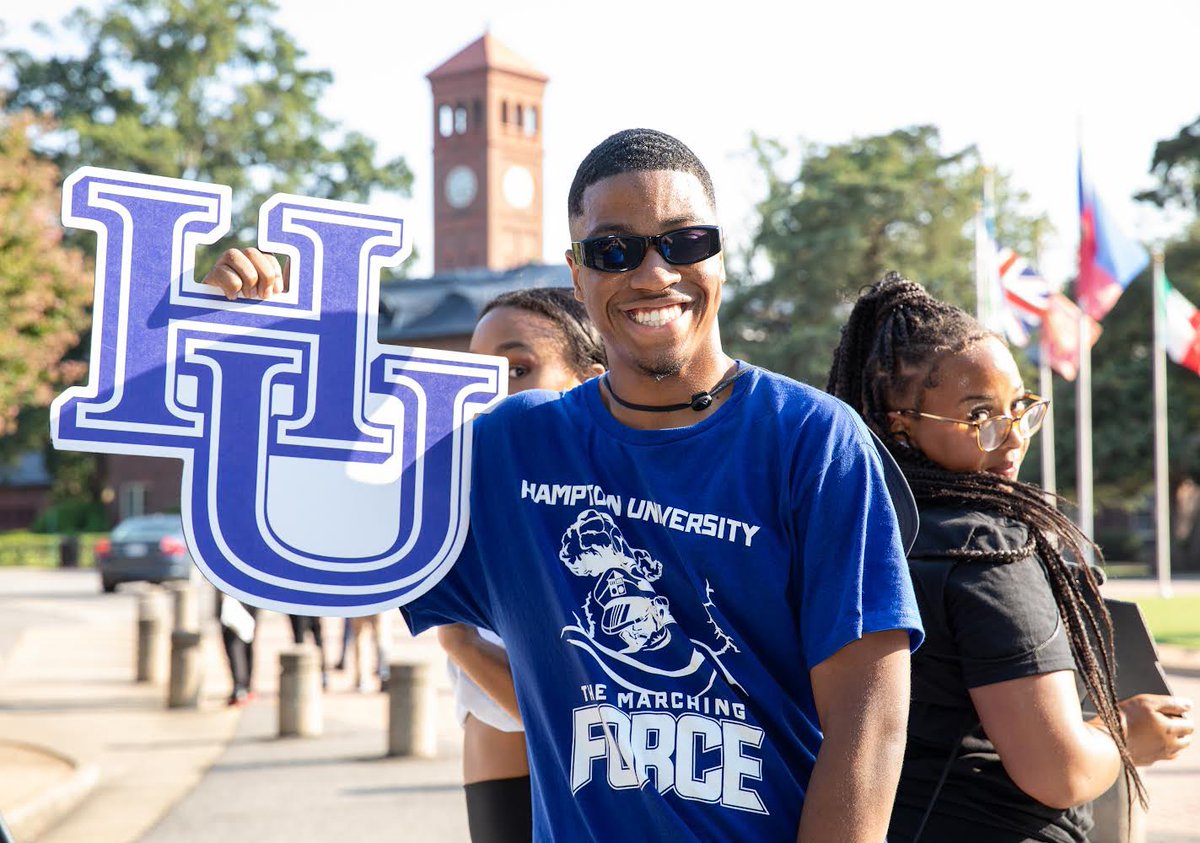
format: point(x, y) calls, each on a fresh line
point(626, 625)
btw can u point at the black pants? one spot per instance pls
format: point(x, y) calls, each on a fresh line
point(240, 654)
point(302, 624)
point(500, 811)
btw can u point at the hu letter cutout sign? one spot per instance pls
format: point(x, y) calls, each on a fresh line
point(323, 473)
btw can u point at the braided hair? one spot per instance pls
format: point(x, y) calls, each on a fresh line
point(582, 346)
point(889, 353)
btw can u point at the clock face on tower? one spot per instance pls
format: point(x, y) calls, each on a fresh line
point(461, 185)
point(518, 187)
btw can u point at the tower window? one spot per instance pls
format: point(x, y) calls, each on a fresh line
point(520, 118)
point(531, 120)
point(460, 120)
point(445, 121)
point(504, 111)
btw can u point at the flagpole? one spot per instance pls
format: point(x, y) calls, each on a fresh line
point(989, 298)
point(1083, 426)
point(1046, 389)
point(1162, 488)
point(1083, 398)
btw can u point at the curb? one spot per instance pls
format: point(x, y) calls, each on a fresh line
point(28, 820)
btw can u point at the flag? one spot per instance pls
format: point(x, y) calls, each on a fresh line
point(1060, 335)
point(1108, 260)
point(1181, 327)
point(989, 297)
point(1026, 296)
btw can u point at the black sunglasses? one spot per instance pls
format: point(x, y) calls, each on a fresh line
point(625, 252)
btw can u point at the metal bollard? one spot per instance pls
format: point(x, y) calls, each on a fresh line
point(186, 599)
point(152, 640)
point(412, 708)
point(300, 692)
point(187, 672)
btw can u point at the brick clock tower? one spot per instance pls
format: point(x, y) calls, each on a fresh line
point(487, 159)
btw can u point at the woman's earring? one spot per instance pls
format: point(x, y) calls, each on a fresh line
point(902, 439)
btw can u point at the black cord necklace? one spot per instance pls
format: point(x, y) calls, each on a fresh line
point(699, 402)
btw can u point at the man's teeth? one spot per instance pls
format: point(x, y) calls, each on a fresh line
point(658, 317)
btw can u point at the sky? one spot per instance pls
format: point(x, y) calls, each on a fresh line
point(1020, 80)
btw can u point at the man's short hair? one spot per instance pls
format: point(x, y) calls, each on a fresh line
point(635, 151)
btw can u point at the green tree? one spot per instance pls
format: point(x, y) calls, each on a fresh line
point(1176, 165)
point(211, 90)
point(45, 286)
point(851, 212)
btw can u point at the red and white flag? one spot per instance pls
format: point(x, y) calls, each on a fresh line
point(1181, 328)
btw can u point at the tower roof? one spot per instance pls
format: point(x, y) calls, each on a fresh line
point(486, 53)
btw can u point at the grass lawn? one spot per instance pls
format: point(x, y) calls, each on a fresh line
point(1173, 621)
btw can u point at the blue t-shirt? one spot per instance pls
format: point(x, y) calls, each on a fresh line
point(663, 595)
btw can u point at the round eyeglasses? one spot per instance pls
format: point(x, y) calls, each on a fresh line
point(993, 432)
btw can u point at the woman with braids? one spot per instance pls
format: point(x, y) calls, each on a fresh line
point(998, 749)
point(550, 344)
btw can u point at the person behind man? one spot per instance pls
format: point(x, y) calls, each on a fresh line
point(694, 563)
point(550, 344)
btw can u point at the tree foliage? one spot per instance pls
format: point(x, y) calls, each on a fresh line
point(45, 286)
point(1176, 165)
point(851, 212)
point(210, 90)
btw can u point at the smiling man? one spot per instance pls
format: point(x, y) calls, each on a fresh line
point(739, 520)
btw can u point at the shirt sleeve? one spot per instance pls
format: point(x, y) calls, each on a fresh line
point(1005, 621)
point(854, 578)
point(461, 596)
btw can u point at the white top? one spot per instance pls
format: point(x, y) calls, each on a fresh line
point(469, 698)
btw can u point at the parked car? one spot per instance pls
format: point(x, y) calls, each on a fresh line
point(145, 548)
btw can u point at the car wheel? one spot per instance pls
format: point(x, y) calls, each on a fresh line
point(108, 585)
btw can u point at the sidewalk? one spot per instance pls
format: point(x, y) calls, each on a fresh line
point(89, 756)
point(338, 786)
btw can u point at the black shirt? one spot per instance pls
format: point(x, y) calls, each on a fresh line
point(985, 622)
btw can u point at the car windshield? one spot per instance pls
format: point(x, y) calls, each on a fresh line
point(145, 529)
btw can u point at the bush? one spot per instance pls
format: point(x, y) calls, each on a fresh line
point(72, 516)
point(1120, 545)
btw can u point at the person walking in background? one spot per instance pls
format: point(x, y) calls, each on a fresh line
point(378, 628)
point(550, 344)
point(239, 625)
point(998, 750)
